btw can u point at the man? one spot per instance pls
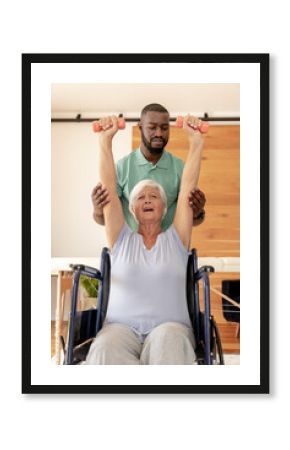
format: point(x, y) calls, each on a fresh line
point(150, 161)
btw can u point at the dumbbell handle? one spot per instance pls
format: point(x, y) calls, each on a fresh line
point(97, 126)
point(203, 127)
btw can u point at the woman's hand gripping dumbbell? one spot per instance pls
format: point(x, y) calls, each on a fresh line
point(107, 122)
point(201, 126)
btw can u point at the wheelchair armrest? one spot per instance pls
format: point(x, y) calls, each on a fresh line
point(206, 269)
point(89, 270)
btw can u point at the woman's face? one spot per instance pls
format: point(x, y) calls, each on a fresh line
point(148, 206)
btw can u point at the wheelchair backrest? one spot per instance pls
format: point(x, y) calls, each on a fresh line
point(192, 294)
point(104, 289)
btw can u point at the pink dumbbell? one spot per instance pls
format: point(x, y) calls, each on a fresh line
point(203, 127)
point(97, 126)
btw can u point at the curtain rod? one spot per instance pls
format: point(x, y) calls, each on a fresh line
point(206, 117)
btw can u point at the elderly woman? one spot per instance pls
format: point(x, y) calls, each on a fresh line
point(147, 319)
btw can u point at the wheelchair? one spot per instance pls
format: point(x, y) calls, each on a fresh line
point(84, 325)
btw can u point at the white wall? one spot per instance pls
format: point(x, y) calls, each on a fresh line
point(74, 171)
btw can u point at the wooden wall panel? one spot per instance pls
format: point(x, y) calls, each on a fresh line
point(219, 235)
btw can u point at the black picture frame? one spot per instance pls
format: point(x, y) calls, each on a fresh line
point(247, 58)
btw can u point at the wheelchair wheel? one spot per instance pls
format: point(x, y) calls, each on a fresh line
point(216, 345)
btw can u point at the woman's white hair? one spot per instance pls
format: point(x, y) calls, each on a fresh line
point(139, 187)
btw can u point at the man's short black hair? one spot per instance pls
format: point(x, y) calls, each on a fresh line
point(156, 107)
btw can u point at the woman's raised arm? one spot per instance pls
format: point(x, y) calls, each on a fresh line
point(183, 215)
point(113, 212)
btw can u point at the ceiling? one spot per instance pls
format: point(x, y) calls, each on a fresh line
point(215, 99)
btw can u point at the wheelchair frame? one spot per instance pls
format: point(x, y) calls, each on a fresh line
point(84, 325)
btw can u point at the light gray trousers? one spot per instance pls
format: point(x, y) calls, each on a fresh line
point(168, 343)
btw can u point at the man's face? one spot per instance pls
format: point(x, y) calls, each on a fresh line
point(154, 128)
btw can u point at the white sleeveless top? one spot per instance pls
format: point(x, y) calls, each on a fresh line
point(148, 287)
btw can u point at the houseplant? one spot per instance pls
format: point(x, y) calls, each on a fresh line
point(90, 287)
